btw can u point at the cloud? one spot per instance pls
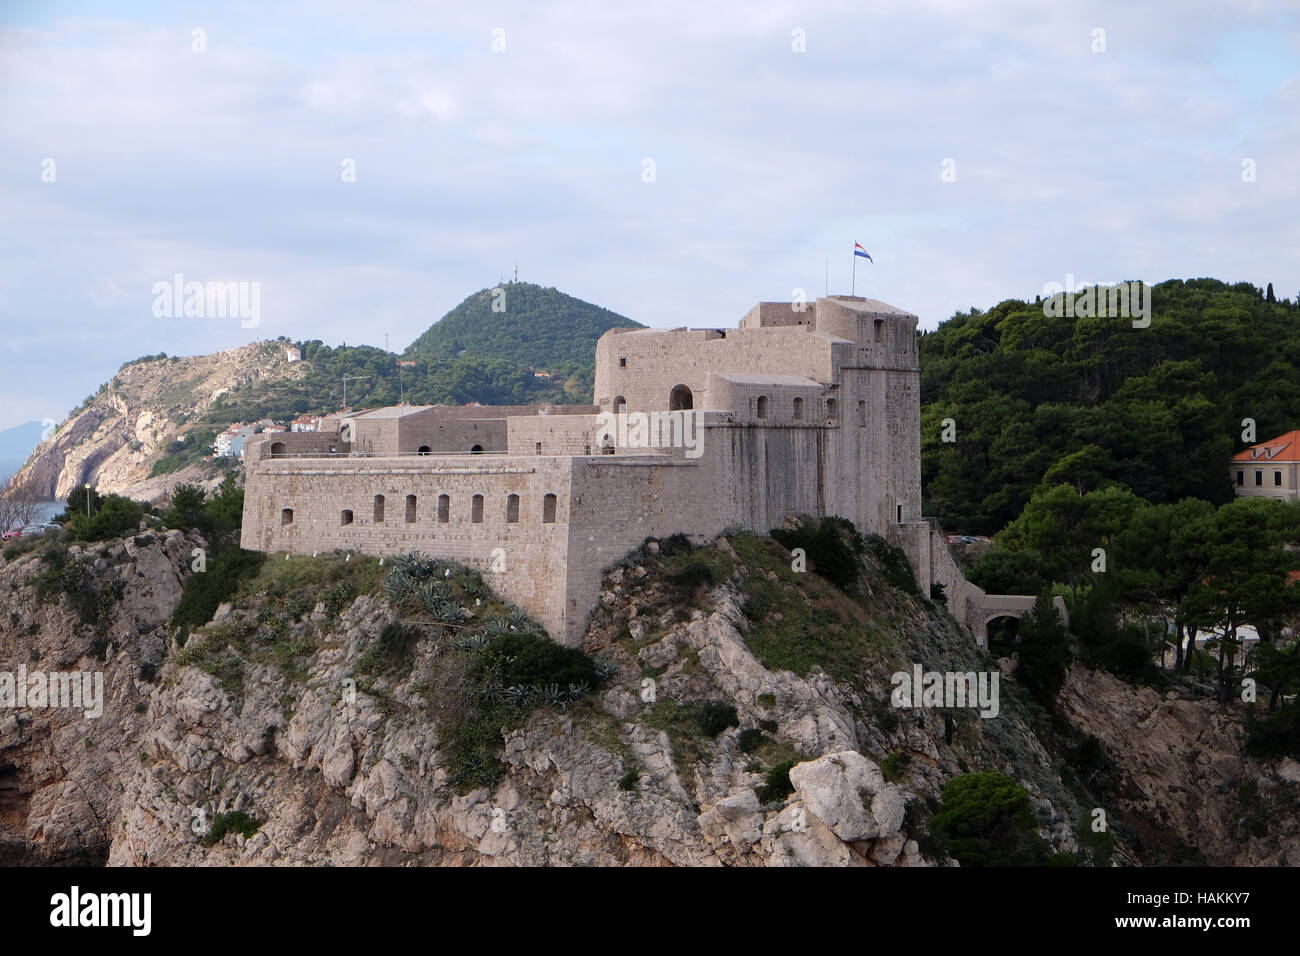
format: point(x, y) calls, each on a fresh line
point(769, 162)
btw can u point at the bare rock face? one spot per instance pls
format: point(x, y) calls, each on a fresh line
point(114, 441)
point(848, 793)
point(1182, 768)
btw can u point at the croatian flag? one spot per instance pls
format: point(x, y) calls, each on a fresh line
point(859, 251)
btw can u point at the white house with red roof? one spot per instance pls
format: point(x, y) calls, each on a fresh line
point(1269, 469)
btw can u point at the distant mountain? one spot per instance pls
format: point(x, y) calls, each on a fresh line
point(532, 325)
point(18, 442)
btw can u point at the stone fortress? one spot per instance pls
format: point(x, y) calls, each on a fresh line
point(804, 408)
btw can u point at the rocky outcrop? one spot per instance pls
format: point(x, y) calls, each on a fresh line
point(327, 769)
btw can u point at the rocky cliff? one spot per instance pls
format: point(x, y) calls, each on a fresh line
point(299, 727)
point(114, 440)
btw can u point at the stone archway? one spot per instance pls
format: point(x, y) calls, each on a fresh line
point(680, 399)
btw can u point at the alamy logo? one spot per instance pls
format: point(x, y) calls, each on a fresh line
point(680, 429)
point(103, 909)
point(82, 689)
point(209, 300)
point(946, 689)
point(1122, 300)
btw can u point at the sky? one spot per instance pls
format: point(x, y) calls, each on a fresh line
point(365, 166)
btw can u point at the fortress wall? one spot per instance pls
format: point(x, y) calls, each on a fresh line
point(618, 502)
point(375, 436)
point(742, 399)
point(317, 491)
point(257, 447)
point(771, 314)
point(765, 473)
point(454, 435)
point(657, 361)
point(558, 434)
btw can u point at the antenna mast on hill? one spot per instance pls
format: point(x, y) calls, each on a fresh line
point(516, 270)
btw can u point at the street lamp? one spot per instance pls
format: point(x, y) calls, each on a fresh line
point(87, 502)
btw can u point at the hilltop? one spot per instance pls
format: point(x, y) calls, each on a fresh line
point(537, 325)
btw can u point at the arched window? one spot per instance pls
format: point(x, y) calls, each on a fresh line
point(832, 408)
point(548, 509)
point(410, 509)
point(379, 509)
point(512, 509)
point(798, 409)
point(277, 448)
point(444, 509)
point(476, 450)
point(619, 404)
point(286, 516)
point(423, 450)
point(345, 517)
point(862, 413)
point(762, 406)
point(680, 399)
point(476, 509)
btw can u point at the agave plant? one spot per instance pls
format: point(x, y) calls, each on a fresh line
point(516, 696)
point(397, 583)
point(446, 613)
point(552, 694)
point(496, 626)
point(518, 619)
point(470, 642)
point(475, 588)
point(577, 690)
point(603, 668)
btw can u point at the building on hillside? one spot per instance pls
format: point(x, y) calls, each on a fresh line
point(804, 408)
point(221, 447)
point(1269, 469)
point(293, 354)
point(305, 423)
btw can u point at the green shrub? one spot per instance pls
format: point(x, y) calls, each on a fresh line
point(893, 562)
point(629, 779)
point(236, 821)
point(674, 545)
point(392, 650)
point(750, 740)
point(777, 785)
point(715, 716)
point(895, 765)
point(689, 578)
point(833, 546)
point(529, 658)
point(205, 590)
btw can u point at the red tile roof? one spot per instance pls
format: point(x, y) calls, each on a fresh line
point(1283, 448)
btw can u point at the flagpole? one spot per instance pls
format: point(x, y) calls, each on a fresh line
point(853, 288)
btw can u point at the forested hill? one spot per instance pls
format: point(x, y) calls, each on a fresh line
point(1089, 400)
point(531, 324)
point(472, 354)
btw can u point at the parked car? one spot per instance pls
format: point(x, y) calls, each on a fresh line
point(11, 534)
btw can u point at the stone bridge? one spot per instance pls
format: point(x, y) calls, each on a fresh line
point(969, 604)
point(983, 608)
